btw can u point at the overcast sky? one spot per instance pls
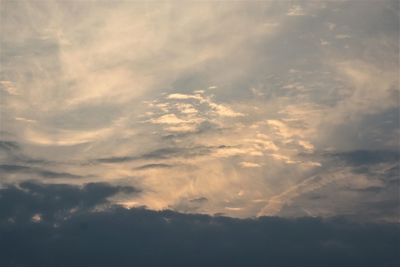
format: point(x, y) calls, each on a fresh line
point(238, 108)
point(199, 133)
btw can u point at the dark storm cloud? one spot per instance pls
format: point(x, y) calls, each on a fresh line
point(139, 237)
point(11, 168)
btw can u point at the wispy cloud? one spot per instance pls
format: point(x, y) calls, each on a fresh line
point(238, 103)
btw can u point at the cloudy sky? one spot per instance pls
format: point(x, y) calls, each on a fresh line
point(237, 108)
point(169, 115)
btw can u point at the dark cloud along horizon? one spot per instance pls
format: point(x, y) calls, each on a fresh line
point(61, 225)
point(268, 108)
point(51, 202)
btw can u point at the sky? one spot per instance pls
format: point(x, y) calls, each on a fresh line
point(201, 109)
point(238, 108)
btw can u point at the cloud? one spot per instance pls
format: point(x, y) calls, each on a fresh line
point(115, 159)
point(199, 200)
point(252, 98)
point(186, 108)
point(224, 111)
point(161, 153)
point(51, 225)
point(184, 96)
point(296, 11)
point(368, 157)
point(6, 169)
point(180, 116)
point(275, 203)
point(246, 164)
point(9, 146)
point(53, 201)
point(372, 193)
point(168, 119)
point(182, 129)
point(153, 166)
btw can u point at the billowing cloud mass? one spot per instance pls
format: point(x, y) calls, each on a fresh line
point(242, 109)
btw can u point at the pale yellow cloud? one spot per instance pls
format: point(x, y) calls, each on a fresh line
point(183, 128)
point(224, 111)
point(246, 164)
point(64, 137)
point(25, 120)
point(9, 87)
point(186, 108)
point(168, 119)
point(296, 11)
point(185, 96)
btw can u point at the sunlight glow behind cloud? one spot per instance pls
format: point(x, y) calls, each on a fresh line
point(256, 108)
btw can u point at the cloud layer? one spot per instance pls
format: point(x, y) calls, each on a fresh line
point(63, 225)
point(256, 108)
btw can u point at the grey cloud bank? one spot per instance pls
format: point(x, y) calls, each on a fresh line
point(58, 225)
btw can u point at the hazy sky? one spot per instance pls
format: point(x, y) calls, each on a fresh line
point(237, 108)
